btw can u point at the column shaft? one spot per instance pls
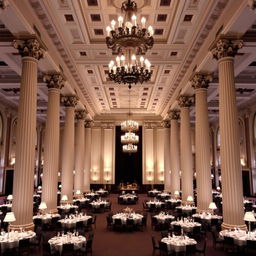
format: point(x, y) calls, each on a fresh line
point(79, 158)
point(232, 188)
point(186, 155)
point(51, 151)
point(175, 156)
point(167, 177)
point(203, 168)
point(87, 158)
point(68, 154)
point(25, 146)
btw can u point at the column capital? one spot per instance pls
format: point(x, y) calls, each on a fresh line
point(226, 48)
point(4, 4)
point(165, 124)
point(29, 48)
point(69, 101)
point(54, 80)
point(81, 114)
point(185, 101)
point(252, 4)
point(201, 80)
point(174, 114)
point(88, 124)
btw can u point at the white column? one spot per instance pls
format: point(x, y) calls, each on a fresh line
point(87, 156)
point(67, 166)
point(200, 82)
point(51, 144)
point(23, 184)
point(231, 175)
point(186, 148)
point(175, 152)
point(79, 152)
point(167, 176)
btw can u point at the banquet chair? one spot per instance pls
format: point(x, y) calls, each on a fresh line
point(177, 229)
point(163, 247)
point(164, 233)
point(215, 238)
point(68, 249)
point(155, 245)
point(24, 247)
point(88, 225)
point(118, 224)
point(129, 225)
point(251, 247)
point(109, 222)
point(228, 244)
point(88, 247)
point(94, 218)
point(202, 249)
point(191, 250)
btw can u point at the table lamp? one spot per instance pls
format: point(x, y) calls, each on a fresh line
point(212, 206)
point(78, 192)
point(176, 193)
point(190, 199)
point(10, 198)
point(42, 206)
point(249, 216)
point(9, 217)
point(64, 199)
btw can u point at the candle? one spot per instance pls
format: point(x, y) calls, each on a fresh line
point(108, 29)
point(122, 60)
point(141, 61)
point(118, 61)
point(143, 22)
point(120, 21)
point(134, 20)
point(150, 30)
point(113, 23)
point(110, 65)
point(114, 69)
point(133, 60)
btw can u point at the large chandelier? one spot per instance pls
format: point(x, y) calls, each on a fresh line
point(130, 148)
point(130, 72)
point(129, 138)
point(129, 39)
point(127, 33)
point(129, 126)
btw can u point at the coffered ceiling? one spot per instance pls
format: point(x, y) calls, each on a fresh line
point(74, 33)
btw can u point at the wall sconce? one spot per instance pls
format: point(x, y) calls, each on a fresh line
point(12, 161)
point(242, 161)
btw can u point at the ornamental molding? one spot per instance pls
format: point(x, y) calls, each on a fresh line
point(4, 4)
point(174, 115)
point(165, 124)
point(201, 80)
point(252, 4)
point(54, 80)
point(81, 114)
point(88, 124)
point(185, 101)
point(217, 11)
point(29, 48)
point(69, 101)
point(226, 48)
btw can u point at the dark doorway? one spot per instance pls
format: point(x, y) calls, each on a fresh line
point(8, 181)
point(128, 166)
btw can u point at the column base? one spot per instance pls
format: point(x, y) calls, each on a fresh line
point(25, 227)
point(201, 211)
point(52, 211)
point(230, 226)
point(66, 202)
point(78, 196)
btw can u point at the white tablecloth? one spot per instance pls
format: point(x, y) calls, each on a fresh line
point(186, 225)
point(162, 217)
point(73, 219)
point(178, 243)
point(137, 218)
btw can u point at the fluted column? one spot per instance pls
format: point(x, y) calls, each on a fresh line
point(200, 83)
point(186, 148)
point(87, 155)
point(167, 176)
point(23, 185)
point(79, 151)
point(231, 175)
point(54, 83)
point(175, 152)
point(67, 165)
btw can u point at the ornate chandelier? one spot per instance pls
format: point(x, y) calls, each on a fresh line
point(129, 126)
point(130, 148)
point(130, 72)
point(129, 39)
point(129, 138)
point(128, 33)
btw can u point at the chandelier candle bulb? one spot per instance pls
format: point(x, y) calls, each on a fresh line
point(150, 30)
point(133, 60)
point(143, 22)
point(108, 29)
point(118, 61)
point(113, 23)
point(134, 20)
point(120, 21)
point(141, 61)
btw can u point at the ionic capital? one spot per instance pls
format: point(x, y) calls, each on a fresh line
point(29, 48)
point(201, 80)
point(226, 48)
point(69, 101)
point(185, 101)
point(88, 124)
point(165, 124)
point(54, 80)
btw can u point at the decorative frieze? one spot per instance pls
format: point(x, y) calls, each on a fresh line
point(185, 101)
point(226, 48)
point(54, 80)
point(69, 101)
point(29, 48)
point(201, 80)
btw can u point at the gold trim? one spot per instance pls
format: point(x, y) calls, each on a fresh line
point(26, 227)
point(230, 226)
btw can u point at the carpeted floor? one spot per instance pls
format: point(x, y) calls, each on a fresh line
point(137, 243)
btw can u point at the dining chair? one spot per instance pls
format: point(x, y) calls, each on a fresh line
point(155, 245)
